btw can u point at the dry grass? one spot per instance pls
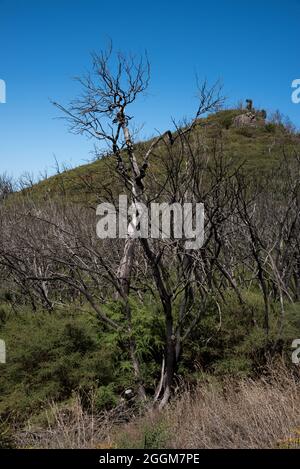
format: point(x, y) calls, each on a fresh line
point(248, 414)
point(264, 413)
point(70, 427)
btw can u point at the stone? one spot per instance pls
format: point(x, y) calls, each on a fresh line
point(248, 119)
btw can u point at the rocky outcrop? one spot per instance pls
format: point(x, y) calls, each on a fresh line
point(250, 119)
point(245, 120)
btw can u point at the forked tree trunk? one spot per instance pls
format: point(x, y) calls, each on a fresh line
point(125, 267)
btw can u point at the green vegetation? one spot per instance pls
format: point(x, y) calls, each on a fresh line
point(258, 148)
point(51, 355)
point(57, 344)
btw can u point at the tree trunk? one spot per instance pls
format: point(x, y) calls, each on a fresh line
point(125, 267)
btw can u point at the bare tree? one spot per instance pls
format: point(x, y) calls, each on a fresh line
point(51, 254)
point(102, 113)
point(6, 186)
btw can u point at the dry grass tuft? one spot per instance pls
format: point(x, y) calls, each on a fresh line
point(71, 427)
point(249, 414)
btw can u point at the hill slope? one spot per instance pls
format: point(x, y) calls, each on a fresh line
point(258, 148)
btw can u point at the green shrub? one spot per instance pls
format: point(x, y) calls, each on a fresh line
point(236, 343)
point(225, 118)
point(156, 435)
point(105, 397)
point(51, 355)
point(239, 366)
point(144, 434)
point(270, 128)
point(248, 131)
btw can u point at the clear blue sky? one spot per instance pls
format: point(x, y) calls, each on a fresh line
point(252, 45)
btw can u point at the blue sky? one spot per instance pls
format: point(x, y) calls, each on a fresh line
point(251, 45)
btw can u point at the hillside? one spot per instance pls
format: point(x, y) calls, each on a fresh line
point(82, 342)
point(257, 148)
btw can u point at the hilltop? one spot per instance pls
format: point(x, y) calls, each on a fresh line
point(257, 147)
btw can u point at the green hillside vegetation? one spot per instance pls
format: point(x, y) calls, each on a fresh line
point(258, 149)
point(56, 343)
